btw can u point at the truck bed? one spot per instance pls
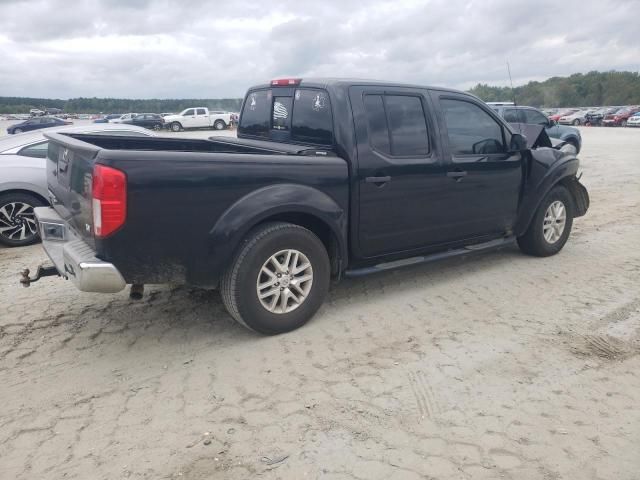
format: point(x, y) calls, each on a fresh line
point(177, 192)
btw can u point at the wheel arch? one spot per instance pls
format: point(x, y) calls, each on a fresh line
point(562, 173)
point(297, 204)
point(24, 191)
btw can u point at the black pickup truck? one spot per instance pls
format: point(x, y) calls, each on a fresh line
point(327, 178)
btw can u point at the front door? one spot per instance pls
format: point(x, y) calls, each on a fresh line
point(482, 199)
point(401, 180)
point(189, 118)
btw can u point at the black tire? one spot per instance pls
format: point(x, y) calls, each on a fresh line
point(238, 284)
point(576, 122)
point(175, 127)
point(623, 123)
point(17, 130)
point(533, 241)
point(6, 236)
point(219, 125)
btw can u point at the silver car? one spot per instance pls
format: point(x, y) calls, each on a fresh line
point(23, 179)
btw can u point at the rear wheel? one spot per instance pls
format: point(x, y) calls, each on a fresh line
point(18, 225)
point(551, 225)
point(219, 125)
point(176, 127)
point(278, 279)
point(576, 122)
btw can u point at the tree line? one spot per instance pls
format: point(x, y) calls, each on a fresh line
point(115, 105)
point(577, 90)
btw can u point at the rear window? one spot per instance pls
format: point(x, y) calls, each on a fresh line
point(255, 114)
point(312, 120)
point(297, 115)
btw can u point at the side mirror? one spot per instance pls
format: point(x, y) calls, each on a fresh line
point(518, 143)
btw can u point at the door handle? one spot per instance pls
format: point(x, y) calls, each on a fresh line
point(457, 175)
point(379, 181)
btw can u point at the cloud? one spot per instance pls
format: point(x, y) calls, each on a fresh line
point(169, 49)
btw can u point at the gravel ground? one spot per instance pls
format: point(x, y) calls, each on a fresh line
point(497, 366)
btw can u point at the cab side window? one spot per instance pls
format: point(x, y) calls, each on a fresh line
point(189, 112)
point(39, 150)
point(513, 115)
point(535, 117)
point(397, 125)
point(470, 129)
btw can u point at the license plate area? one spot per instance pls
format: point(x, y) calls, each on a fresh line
point(53, 231)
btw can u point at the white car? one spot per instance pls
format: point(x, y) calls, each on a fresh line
point(576, 118)
point(23, 177)
point(197, 117)
point(634, 120)
point(123, 118)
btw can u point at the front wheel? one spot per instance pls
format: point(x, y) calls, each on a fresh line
point(157, 127)
point(576, 122)
point(278, 279)
point(18, 225)
point(176, 127)
point(551, 225)
point(17, 130)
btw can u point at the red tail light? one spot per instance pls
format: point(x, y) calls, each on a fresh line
point(285, 82)
point(109, 193)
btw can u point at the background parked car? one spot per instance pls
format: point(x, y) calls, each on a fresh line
point(575, 118)
point(519, 114)
point(619, 118)
point(35, 124)
point(561, 113)
point(122, 118)
point(152, 121)
point(23, 180)
point(106, 118)
point(634, 120)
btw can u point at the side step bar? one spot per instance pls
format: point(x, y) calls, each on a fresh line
point(480, 247)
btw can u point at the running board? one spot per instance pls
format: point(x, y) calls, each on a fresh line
point(479, 247)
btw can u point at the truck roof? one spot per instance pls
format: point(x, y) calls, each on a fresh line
point(325, 82)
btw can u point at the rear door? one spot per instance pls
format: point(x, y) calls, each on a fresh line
point(202, 118)
point(401, 179)
point(485, 178)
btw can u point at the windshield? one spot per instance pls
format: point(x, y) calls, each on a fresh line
point(300, 115)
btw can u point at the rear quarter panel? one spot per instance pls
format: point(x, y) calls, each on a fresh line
point(23, 173)
point(175, 200)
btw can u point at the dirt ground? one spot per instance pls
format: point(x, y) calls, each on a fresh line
point(497, 366)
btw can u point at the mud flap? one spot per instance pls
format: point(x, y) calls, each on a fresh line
point(580, 195)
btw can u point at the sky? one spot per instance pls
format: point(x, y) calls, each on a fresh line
point(218, 48)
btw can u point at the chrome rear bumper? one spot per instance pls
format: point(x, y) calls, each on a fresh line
point(73, 258)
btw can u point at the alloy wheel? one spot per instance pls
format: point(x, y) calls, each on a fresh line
point(555, 219)
point(284, 281)
point(17, 221)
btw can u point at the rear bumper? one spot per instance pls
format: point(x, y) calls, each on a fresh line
point(73, 258)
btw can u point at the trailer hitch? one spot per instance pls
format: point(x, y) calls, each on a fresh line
point(42, 271)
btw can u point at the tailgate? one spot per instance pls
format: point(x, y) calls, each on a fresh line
point(69, 176)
